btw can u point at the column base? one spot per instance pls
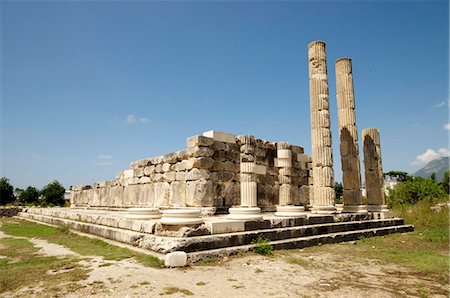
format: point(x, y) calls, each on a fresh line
point(377, 208)
point(324, 209)
point(245, 213)
point(181, 217)
point(142, 213)
point(290, 211)
point(354, 209)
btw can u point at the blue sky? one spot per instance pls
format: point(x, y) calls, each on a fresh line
point(88, 87)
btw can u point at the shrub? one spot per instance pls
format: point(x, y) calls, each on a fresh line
point(53, 194)
point(416, 190)
point(6, 192)
point(29, 195)
point(261, 245)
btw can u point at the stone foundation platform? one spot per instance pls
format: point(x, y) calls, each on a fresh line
point(217, 235)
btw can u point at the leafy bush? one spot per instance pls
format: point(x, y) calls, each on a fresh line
point(338, 188)
point(6, 191)
point(416, 190)
point(445, 182)
point(261, 245)
point(53, 194)
point(29, 195)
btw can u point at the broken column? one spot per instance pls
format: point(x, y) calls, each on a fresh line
point(323, 194)
point(348, 135)
point(248, 182)
point(373, 171)
point(284, 162)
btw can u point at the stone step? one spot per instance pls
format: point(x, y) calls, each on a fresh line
point(302, 242)
point(199, 243)
point(164, 245)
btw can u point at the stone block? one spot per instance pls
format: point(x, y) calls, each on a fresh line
point(260, 170)
point(284, 153)
point(201, 141)
point(177, 194)
point(182, 154)
point(148, 170)
point(181, 176)
point(128, 174)
point(200, 193)
point(170, 157)
point(229, 226)
point(166, 167)
point(220, 136)
point(169, 176)
point(175, 259)
point(197, 174)
point(200, 152)
point(162, 193)
point(199, 163)
point(144, 180)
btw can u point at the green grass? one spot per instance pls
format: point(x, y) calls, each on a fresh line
point(80, 244)
point(174, 290)
point(22, 266)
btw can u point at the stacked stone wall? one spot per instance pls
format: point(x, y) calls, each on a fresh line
point(205, 174)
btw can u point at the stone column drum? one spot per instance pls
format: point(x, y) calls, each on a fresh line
point(348, 135)
point(248, 181)
point(373, 171)
point(284, 162)
point(323, 194)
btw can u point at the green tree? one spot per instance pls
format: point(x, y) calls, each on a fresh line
point(398, 175)
point(6, 191)
point(445, 182)
point(53, 194)
point(29, 195)
point(418, 189)
point(338, 188)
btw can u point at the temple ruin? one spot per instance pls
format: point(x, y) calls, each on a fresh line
point(219, 193)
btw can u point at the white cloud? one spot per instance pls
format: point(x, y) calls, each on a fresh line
point(133, 119)
point(429, 155)
point(447, 126)
point(104, 156)
point(104, 160)
point(440, 105)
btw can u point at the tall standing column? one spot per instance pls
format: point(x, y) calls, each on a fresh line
point(323, 195)
point(248, 182)
point(373, 171)
point(348, 135)
point(284, 162)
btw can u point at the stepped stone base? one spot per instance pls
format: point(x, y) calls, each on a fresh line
point(324, 209)
point(354, 208)
point(219, 236)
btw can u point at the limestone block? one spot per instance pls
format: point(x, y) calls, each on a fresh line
point(128, 174)
point(247, 158)
point(282, 163)
point(225, 176)
point(182, 154)
point(197, 174)
point(132, 181)
point(284, 153)
point(157, 177)
point(175, 259)
point(200, 163)
point(222, 227)
point(131, 195)
point(147, 195)
point(181, 176)
point(200, 193)
point(286, 171)
point(297, 149)
point(166, 167)
point(148, 170)
point(228, 166)
point(219, 146)
point(177, 195)
point(220, 136)
point(169, 176)
point(230, 191)
point(170, 157)
point(260, 170)
point(162, 193)
point(159, 168)
point(202, 141)
point(284, 179)
point(200, 152)
point(144, 180)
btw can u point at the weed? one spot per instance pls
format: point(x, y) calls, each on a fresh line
point(201, 283)
point(173, 290)
point(262, 245)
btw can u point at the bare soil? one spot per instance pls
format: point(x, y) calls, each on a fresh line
point(285, 274)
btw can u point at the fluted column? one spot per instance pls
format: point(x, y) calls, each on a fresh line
point(323, 194)
point(284, 162)
point(348, 135)
point(373, 170)
point(248, 181)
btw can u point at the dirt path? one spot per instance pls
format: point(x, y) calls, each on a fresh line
point(287, 274)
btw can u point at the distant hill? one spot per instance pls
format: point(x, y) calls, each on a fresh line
point(438, 166)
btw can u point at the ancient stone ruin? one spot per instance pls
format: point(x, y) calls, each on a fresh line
point(221, 192)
